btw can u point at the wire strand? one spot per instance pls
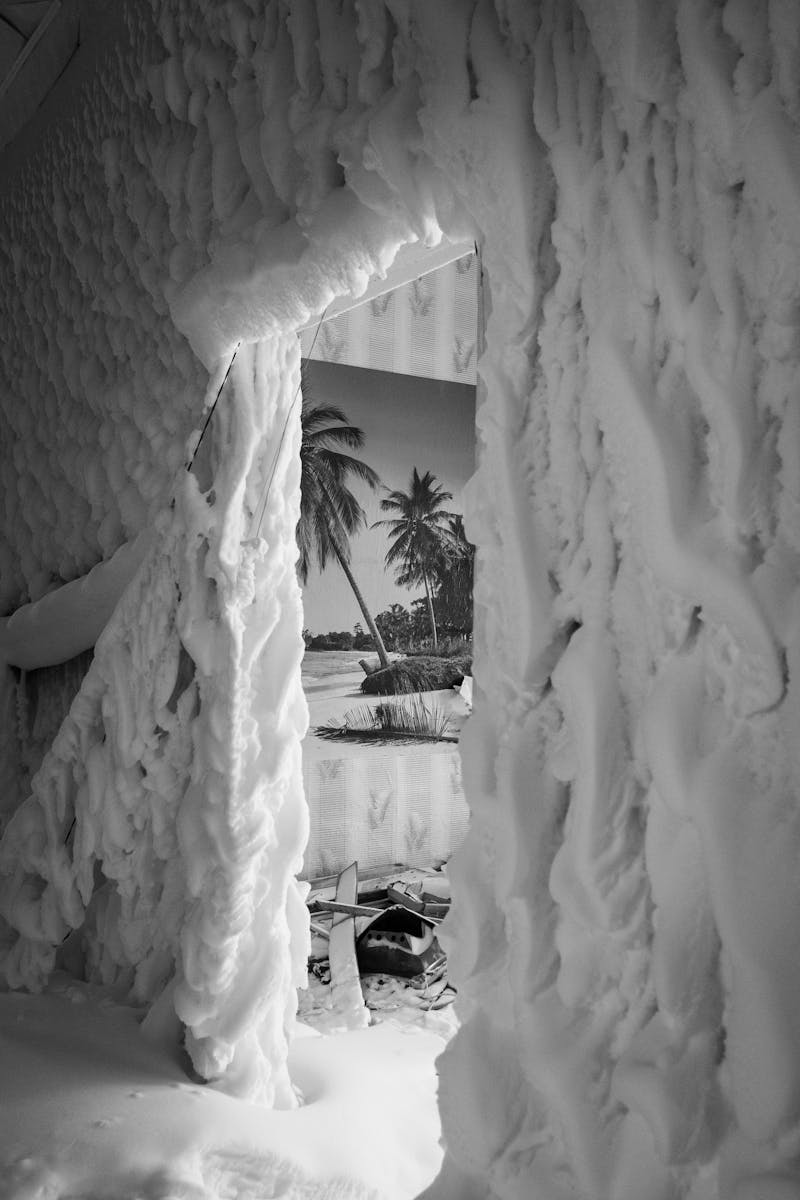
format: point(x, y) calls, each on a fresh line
point(190, 463)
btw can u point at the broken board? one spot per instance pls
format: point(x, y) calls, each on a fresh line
point(348, 1001)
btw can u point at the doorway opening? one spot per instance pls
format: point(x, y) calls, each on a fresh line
point(385, 797)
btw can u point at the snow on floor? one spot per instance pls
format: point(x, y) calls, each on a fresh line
point(91, 1109)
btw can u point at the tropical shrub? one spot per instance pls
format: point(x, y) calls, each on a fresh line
point(423, 673)
point(403, 719)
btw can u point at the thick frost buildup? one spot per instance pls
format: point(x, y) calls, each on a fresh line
point(624, 931)
point(68, 621)
point(167, 822)
point(627, 901)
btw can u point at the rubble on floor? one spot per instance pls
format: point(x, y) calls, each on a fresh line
point(375, 948)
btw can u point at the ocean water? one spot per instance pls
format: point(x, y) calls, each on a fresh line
point(317, 664)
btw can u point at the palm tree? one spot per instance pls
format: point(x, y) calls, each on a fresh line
point(421, 535)
point(329, 512)
point(452, 600)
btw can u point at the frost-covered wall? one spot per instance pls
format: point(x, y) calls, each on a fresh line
point(626, 940)
point(624, 936)
point(43, 699)
point(98, 391)
point(158, 850)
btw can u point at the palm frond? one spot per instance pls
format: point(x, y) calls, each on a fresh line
point(329, 512)
point(421, 539)
point(340, 465)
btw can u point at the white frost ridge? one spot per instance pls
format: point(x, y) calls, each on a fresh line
point(70, 620)
point(162, 778)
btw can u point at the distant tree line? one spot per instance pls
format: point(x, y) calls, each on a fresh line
point(342, 639)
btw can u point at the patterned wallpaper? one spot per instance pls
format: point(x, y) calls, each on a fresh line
point(427, 327)
point(388, 805)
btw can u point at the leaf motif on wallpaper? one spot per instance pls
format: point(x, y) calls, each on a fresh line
point(333, 344)
point(416, 832)
point(380, 304)
point(328, 860)
point(464, 265)
point(421, 298)
point(463, 351)
point(329, 768)
point(380, 801)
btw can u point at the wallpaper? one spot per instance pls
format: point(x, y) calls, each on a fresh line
point(425, 328)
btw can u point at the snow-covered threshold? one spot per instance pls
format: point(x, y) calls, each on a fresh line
point(626, 927)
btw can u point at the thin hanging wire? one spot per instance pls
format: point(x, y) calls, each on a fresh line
point(190, 463)
point(274, 464)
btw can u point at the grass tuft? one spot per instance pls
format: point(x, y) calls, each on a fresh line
point(405, 719)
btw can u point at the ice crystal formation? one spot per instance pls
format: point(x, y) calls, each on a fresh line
point(626, 932)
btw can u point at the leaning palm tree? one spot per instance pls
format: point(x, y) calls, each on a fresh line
point(329, 512)
point(421, 535)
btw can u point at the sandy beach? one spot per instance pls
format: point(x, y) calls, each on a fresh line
point(331, 695)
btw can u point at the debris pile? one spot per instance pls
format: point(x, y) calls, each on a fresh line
point(374, 941)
